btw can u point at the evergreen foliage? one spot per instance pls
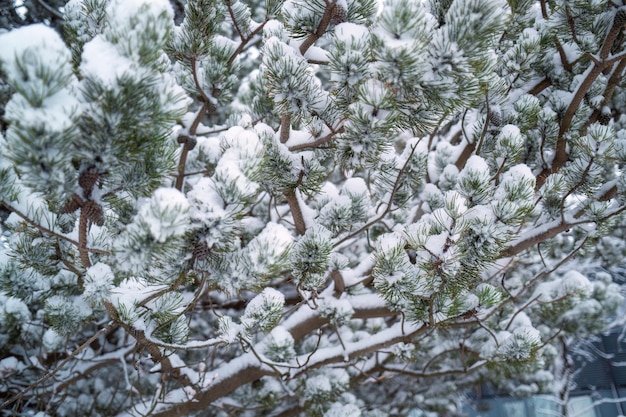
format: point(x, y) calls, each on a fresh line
point(315, 208)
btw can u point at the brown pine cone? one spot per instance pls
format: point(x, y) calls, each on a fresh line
point(88, 179)
point(73, 204)
point(620, 17)
point(94, 212)
point(495, 118)
point(201, 250)
point(339, 14)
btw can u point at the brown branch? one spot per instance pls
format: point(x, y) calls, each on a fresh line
point(340, 285)
point(244, 42)
point(360, 348)
point(566, 64)
point(538, 88)
point(138, 335)
point(83, 228)
point(618, 23)
point(296, 211)
point(394, 190)
point(248, 369)
point(599, 66)
point(50, 374)
point(232, 17)
point(612, 83)
point(316, 142)
point(285, 128)
point(188, 141)
point(51, 9)
point(435, 374)
point(468, 151)
point(532, 241)
point(544, 9)
point(571, 24)
point(47, 231)
point(71, 267)
point(321, 28)
point(84, 373)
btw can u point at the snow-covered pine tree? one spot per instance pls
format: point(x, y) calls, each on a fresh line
point(307, 207)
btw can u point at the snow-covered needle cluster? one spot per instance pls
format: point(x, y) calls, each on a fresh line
point(307, 207)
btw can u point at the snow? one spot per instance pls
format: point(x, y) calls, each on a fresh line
point(278, 346)
point(9, 366)
point(298, 137)
point(574, 281)
point(39, 46)
point(316, 54)
point(477, 164)
point(126, 10)
point(102, 61)
point(52, 341)
point(269, 245)
point(228, 329)
point(355, 186)
point(165, 214)
point(317, 386)
point(131, 292)
point(55, 113)
point(259, 304)
point(389, 242)
point(98, 281)
point(338, 310)
point(280, 336)
point(347, 32)
point(385, 337)
point(17, 309)
point(511, 133)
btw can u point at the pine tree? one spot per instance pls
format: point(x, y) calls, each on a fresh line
point(316, 208)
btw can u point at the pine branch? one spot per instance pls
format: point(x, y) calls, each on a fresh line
point(50, 374)
point(388, 337)
point(83, 229)
point(244, 43)
point(613, 82)
point(463, 371)
point(54, 12)
point(539, 87)
point(316, 143)
point(49, 232)
point(533, 239)
point(559, 47)
point(229, 4)
point(321, 28)
point(86, 372)
point(296, 211)
point(597, 68)
point(285, 128)
point(189, 142)
point(388, 205)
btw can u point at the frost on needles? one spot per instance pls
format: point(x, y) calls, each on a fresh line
point(312, 208)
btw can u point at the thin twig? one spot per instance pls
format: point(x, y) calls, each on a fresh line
point(47, 231)
point(50, 374)
point(389, 204)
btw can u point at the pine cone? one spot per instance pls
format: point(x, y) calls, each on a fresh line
point(620, 17)
point(87, 180)
point(604, 118)
point(73, 204)
point(94, 212)
point(339, 14)
point(201, 250)
point(495, 118)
